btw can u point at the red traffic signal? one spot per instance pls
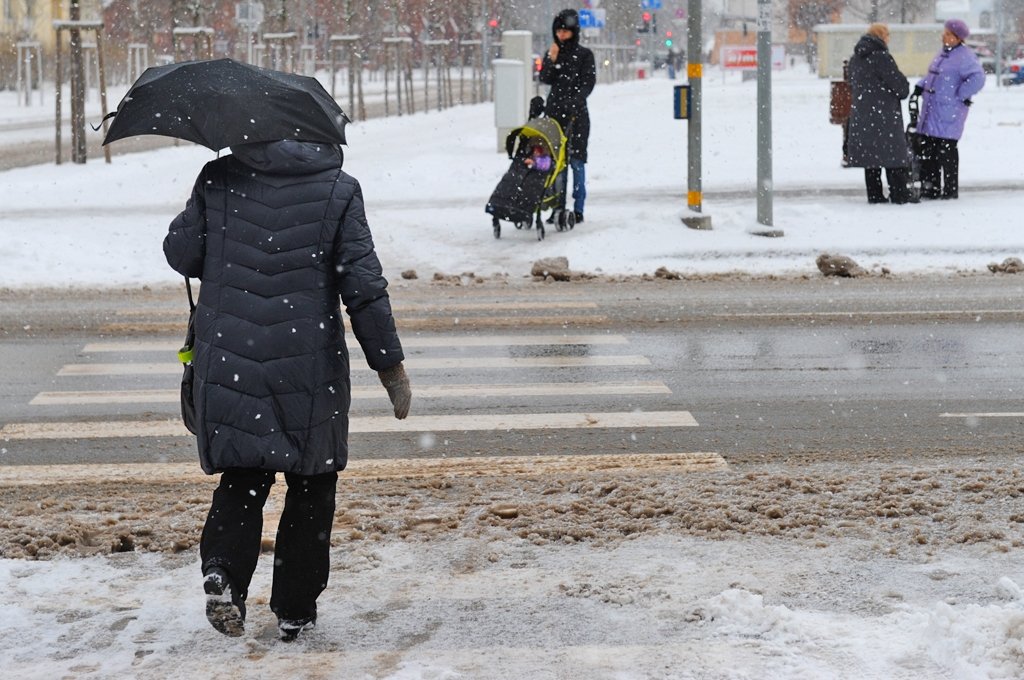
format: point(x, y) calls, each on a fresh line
point(493, 23)
point(646, 16)
point(668, 34)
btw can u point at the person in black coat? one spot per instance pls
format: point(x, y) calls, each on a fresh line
point(569, 69)
point(876, 137)
point(277, 233)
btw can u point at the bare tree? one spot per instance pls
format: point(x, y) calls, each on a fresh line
point(804, 15)
point(890, 11)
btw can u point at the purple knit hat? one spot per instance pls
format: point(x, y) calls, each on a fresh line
point(958, 27)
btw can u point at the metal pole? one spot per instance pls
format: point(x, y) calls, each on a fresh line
point(103, 85)
point(999, 42)
point(764, 116)
point(694, 73)
point(60, 80)
point(485, 45)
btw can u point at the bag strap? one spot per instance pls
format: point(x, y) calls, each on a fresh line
point(185, 354)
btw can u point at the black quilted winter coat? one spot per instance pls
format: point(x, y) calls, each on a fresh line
point(875, 136)
point(572, 78)
point(277, 233)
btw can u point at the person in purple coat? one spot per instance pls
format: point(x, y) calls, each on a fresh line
point(953, 77)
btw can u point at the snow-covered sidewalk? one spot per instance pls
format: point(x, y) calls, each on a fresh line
point(544, 569)
point(427, 177)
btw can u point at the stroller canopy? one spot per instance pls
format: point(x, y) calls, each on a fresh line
point(547, 129)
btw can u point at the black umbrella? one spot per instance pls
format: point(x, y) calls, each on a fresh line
point(224, 102)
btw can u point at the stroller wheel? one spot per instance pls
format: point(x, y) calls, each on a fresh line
point(540, 232)
point(497, 229)
point(519, 225)
point(570, 219)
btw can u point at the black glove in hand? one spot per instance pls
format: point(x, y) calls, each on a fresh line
point(967, 102)
point(396, 382)
point(918, 90)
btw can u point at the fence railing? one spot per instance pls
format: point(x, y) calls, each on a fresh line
point(384, 77)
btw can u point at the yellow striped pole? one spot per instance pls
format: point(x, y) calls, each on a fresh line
point(694, 72)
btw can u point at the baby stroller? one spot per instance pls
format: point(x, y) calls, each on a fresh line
point(914, 142)
point(524, 191)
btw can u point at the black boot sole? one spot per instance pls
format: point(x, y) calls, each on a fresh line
point(222, 612)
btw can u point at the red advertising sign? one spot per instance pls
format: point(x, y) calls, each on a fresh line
point(739, 57)
point(745, 57)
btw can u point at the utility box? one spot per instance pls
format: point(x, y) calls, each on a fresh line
point(513, 80)
point(681, 102)
point(510, 105)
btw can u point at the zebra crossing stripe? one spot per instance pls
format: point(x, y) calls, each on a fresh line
point(1009, 414)
point(415, 363)
point(373, 392)
point(371, 424)
point(401, 307)
point(405, 324)
point(409, 342)
point(381, 468)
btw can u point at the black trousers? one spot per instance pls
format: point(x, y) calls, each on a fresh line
point(234, 528)
point(899, 184)
point(940, 167)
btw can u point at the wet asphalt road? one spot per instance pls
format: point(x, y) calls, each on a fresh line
point(771, 370)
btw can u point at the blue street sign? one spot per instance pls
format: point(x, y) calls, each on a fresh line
point(650, 4)
point(591, 18)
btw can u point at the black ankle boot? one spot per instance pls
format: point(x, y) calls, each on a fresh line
point(225, 608)
point(289, 629)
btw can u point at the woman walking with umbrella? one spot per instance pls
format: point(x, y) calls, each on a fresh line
point(277, 233)
point(876, 136)
point(953, 77)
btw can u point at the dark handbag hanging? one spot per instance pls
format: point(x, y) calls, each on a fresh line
point(185, 355)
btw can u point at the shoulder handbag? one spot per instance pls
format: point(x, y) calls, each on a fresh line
point(185, 355)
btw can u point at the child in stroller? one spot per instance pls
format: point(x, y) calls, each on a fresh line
point(534, 181)
point(539, 159)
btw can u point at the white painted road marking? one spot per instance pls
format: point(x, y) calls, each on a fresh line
point(360, 392)
point(405, 324)
point(405, 468)
point(434, 307)
point(413, 364)
point(371, 424)
point(410, 342)
point(895, 312)
point(982, 415)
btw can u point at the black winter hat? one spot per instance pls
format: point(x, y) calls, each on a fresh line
point(568, 19)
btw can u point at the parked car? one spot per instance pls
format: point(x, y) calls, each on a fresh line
point(1013, 72)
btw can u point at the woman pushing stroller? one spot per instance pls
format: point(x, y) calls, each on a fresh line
point(569, 68)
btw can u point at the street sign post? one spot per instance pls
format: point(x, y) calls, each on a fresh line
point(695, 76)
point(765, 190)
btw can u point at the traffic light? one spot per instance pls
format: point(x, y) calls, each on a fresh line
point(668, 38)
point(645, 23)
point(493, 26)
